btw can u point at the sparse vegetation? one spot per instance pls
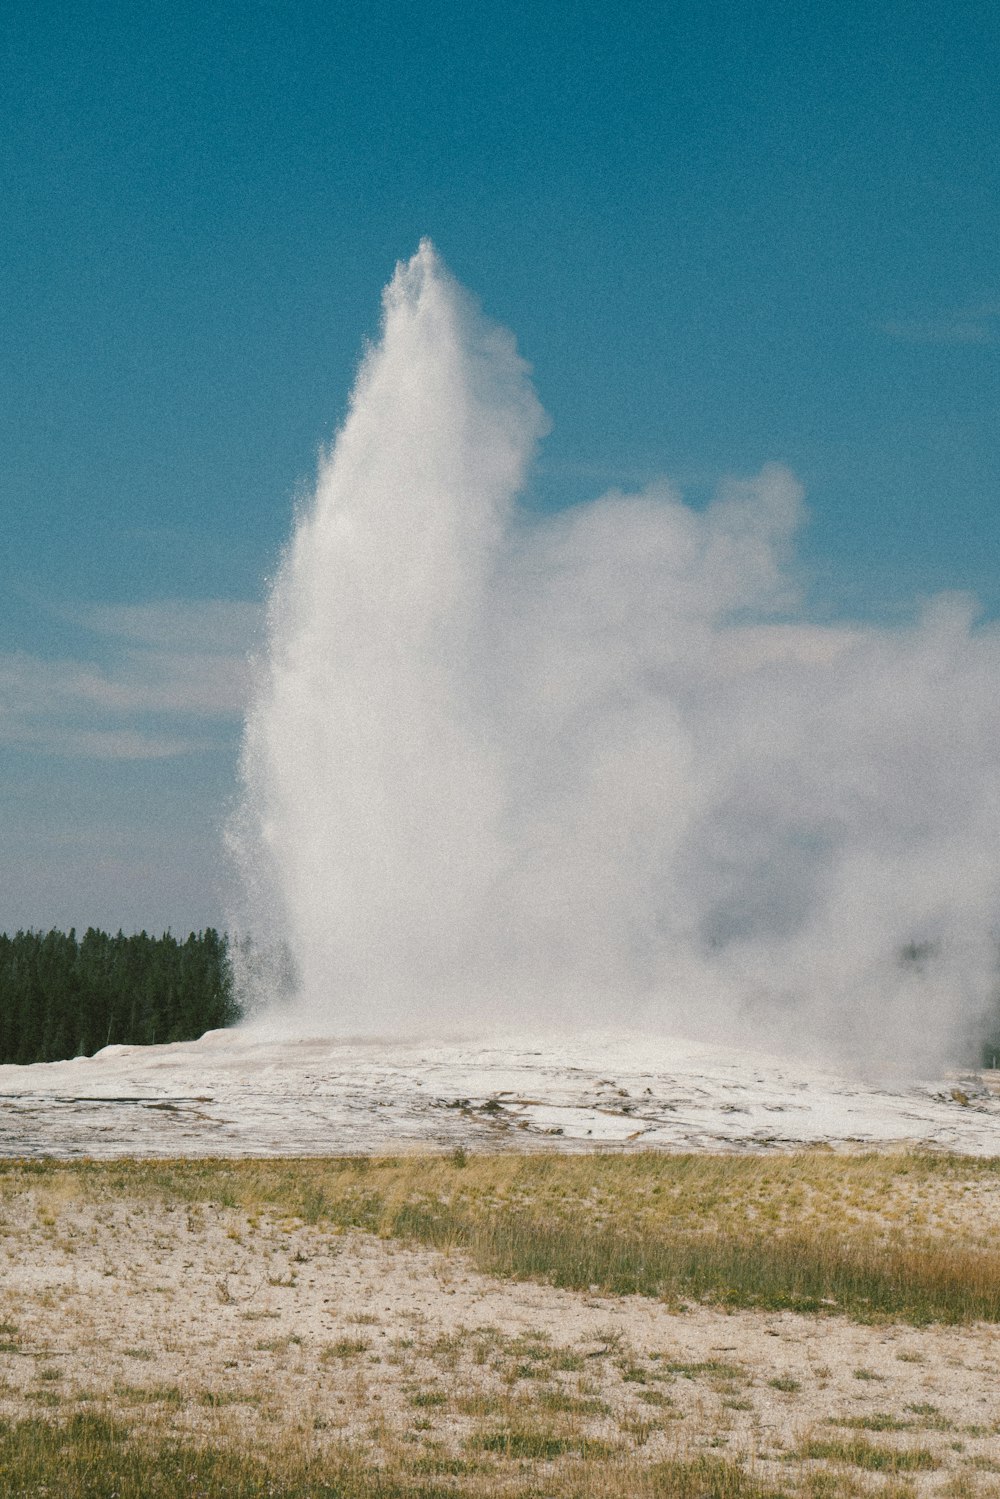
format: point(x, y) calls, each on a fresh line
point(92, 1457)
point(858, 1452)
point(786, 1383)
point(870, 1237)
point(355, 1352)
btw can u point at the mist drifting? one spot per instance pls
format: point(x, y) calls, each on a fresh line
point(593, 768)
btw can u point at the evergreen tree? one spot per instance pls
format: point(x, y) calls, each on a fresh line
point(60, 997)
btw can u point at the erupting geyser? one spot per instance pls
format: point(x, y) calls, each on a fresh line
point(591, 768)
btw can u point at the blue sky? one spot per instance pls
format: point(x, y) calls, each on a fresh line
point(723, 234)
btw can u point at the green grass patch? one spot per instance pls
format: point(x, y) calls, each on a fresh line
point(713, 1367)
point(858, 1452)
point(429, 1398)
point(786, 1383)
point(708, 1478)
point(344, 1348)
point(877, 1421)
point(563, 1403)
point(94, 1457)
point(539, 1444)
point(158, 1394)
point(91, 1456)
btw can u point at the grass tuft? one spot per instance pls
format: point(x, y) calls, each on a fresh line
point(860, 1453)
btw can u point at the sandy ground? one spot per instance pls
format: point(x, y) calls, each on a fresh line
point(204, 1319)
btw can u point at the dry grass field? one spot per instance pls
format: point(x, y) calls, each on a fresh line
point(650, 1325)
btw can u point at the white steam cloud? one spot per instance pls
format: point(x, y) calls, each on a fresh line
point(582, 769)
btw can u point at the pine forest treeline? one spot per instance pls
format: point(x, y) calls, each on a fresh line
point(61, 996)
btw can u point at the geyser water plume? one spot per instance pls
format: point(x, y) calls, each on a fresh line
point(590, 768)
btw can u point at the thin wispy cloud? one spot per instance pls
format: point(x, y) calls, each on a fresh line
point(941, 331)
point(182, 624)
point(979, 324)
point(153, 681)
point(97, 744)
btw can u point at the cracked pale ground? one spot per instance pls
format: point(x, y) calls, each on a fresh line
point(205, 1320)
